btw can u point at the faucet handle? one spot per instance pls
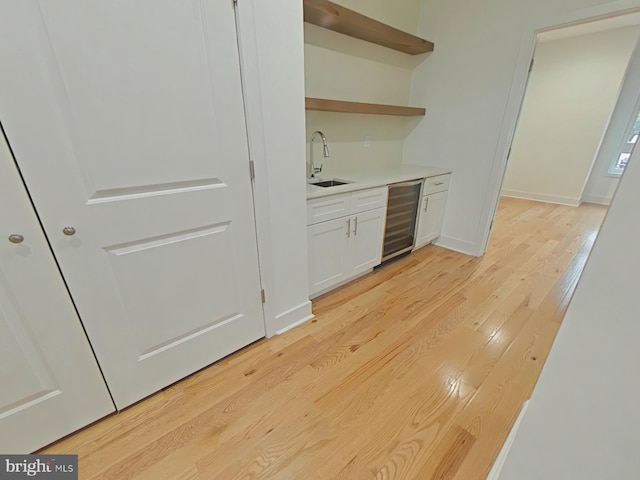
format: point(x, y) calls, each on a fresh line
point(318, 170)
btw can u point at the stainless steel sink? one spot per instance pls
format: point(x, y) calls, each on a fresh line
point(334, 182)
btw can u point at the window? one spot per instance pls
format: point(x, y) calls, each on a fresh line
point(635, 130)
point(623, 158)
point(629, 142)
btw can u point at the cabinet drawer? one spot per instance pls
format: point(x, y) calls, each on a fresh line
point(328, 208)
point(436, 184)
point(364, 200)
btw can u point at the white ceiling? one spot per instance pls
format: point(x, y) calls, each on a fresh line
point(591, 27)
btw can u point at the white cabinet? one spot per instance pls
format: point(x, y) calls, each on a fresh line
point(327, 208)
point(432, 207)
point(365, 245)
point(431, 216)
point(328, 252)
point(363, 200)
point(342, 247)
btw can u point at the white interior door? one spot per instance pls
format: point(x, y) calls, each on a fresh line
point(127, 122)
point(50, 384)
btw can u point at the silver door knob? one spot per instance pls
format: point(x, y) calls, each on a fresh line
point(69, 231)
point(15, 238)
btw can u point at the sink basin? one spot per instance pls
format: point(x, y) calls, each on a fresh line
point(334, 182)
point(329, 183)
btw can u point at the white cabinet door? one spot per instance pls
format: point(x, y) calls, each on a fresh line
point(127, 122)
point(365, 245)
point(328, 253)
point(431, 217)
point(50, 384)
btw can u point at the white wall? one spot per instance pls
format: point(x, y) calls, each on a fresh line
point(271, 39)
point(583, 420)
point(571, 94)
point(465, 89)
point(601, 185)
point(481, 48)
point(343, 68)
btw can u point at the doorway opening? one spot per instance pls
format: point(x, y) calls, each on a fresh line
point(577, 106)
point(571, 128)
point(578, 114)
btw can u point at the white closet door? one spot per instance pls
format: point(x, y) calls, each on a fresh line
point(126, 118)
point(50, 384)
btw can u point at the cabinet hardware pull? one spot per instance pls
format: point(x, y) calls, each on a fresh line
point(15, 238)
point(69, 231)
point(439, 183)
point(348, 228)
point(426, 204)
point(355, 230)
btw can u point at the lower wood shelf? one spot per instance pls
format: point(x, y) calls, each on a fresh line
point(324, 105)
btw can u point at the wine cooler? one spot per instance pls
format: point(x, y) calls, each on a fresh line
point(402, 211)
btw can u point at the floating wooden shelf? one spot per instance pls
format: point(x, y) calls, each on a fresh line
point(340, 19)
point(341, 106)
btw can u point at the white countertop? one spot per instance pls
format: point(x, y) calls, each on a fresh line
point(376, 178)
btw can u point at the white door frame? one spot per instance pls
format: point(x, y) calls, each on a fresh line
point(273, 89)
point(516, 97)
point(250, 74)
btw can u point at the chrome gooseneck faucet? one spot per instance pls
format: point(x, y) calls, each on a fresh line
point(325, 151)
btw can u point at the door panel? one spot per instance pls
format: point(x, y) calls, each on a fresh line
point(23, 370)
point(51, 384)
point(141, 147)
point(431, 217)
point(328, 250)
point(366, 240)
point(158, 304)
point(159, 57)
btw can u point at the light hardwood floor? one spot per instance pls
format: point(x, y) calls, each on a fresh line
point(416, 371)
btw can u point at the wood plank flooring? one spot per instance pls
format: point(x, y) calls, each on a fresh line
point(416, 371)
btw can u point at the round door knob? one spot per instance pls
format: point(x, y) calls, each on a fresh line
point(69, 231)
point(15, 238)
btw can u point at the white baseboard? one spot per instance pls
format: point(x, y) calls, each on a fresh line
point(494, 474)
point(290, 319)
point(340, 284)
point(457, 245)
point(541, 197)
point(598, 199)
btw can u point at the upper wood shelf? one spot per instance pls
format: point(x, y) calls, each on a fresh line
point(340, 19)
point(340, 106)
